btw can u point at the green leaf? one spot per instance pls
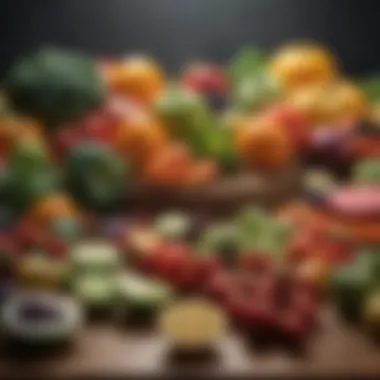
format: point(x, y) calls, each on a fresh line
point(247, 62)
point(371, 86)
point(367, 171)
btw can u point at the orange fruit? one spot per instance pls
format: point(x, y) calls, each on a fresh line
point(139, 136)
point(202, 172)
point(139, 78)
point(14, 129)
point(170, 167)
point(54, 207)
point(264, 144)
point(303, 64)
point(347, 101)
point(334, 103)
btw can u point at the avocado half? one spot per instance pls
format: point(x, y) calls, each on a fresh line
point(36, 319)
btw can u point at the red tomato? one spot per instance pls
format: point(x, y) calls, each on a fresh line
point(257, 262)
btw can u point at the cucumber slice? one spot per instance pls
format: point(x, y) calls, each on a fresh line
point(38, 318)
point(173, 225)
point(95, 257)
point(223, 239)
point(143, 296)
point(96, 292)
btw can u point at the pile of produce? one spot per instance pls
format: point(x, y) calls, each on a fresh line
point(78, 135)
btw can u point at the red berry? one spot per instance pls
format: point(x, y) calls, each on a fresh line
point(256, 262)
point(185, 277)
point(265, 288)
point(207, 267)
point(293, 327)
point(240, 310)
point(300, 249)
point(8, 245)
point(169, 259)
point(28, 236)
point(97, 127)
point(206, 79)
point(218, 285)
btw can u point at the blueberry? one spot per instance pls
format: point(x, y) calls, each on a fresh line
point(38, 312)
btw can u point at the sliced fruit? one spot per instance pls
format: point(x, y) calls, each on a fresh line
point(193, 323)
point(141, 296)
point(95, 257)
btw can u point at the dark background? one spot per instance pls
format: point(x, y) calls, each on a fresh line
point(175, 31)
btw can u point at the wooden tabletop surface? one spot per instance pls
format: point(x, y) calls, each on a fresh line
point(103, 349)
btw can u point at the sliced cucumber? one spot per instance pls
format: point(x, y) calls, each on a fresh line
point(95, 257)
point(96, 292)
point(143, 296)
point(173, 225)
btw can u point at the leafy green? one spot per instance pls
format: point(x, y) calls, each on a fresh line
point(55, 85)
point(190, 118)
point(371, 87)
point(367, 171)
point(256, 91)
point(249, 61)
point(96, 175)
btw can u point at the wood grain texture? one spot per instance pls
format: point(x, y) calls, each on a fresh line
point(225, 194)
point(336, 349)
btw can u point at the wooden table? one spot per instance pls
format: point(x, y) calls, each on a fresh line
point(336, 349)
